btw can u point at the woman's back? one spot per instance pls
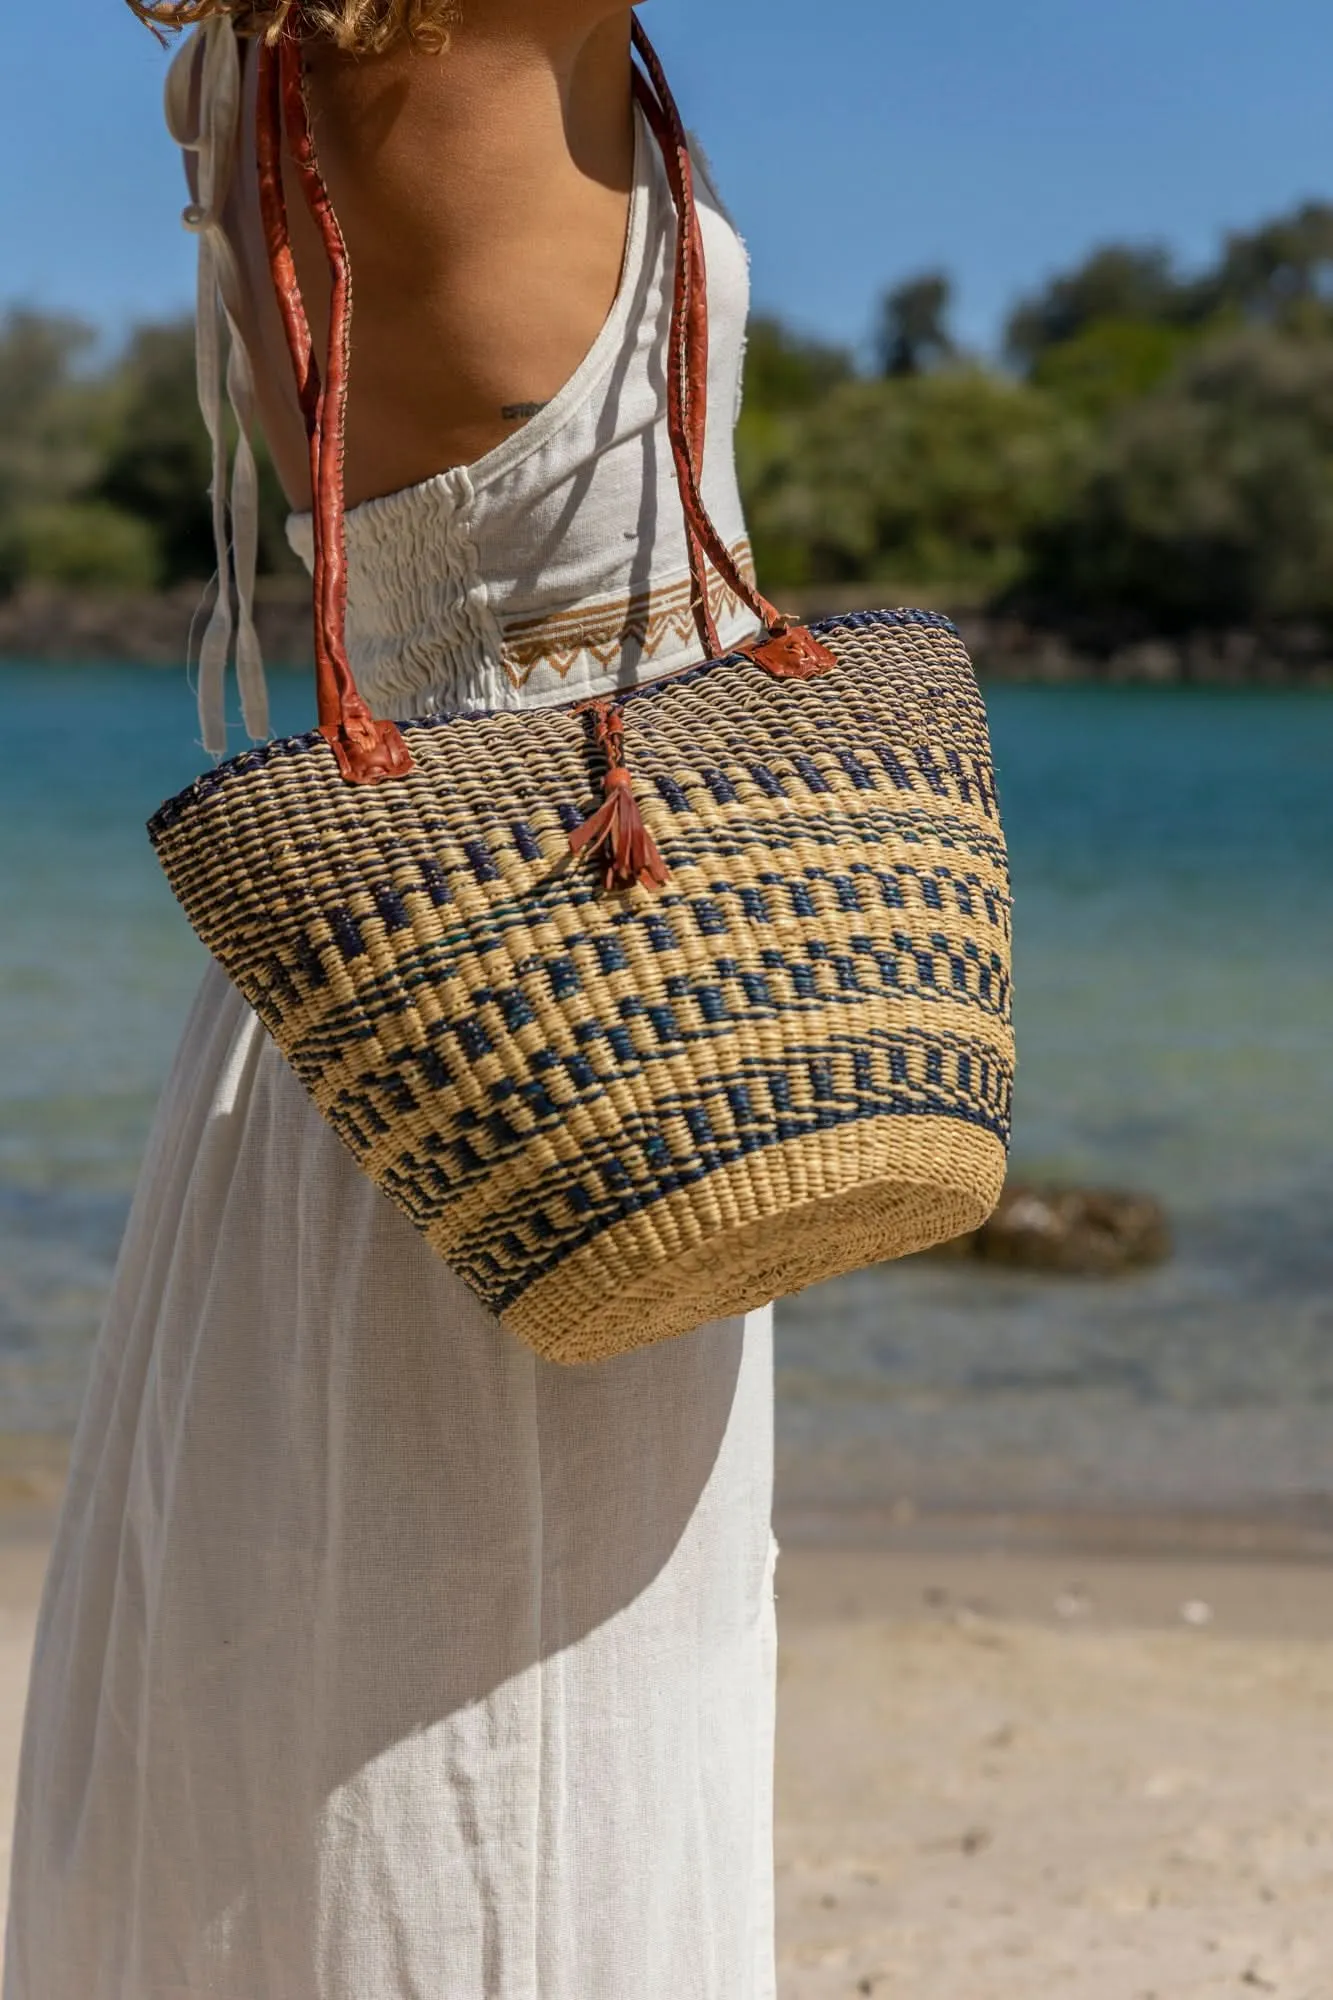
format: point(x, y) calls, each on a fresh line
point(484, 193)
point(515, 533)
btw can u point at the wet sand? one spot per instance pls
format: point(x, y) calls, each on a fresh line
point(1003, 1775)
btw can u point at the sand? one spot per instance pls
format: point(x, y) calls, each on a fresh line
point(1008, 1776)
point(1002, 1778)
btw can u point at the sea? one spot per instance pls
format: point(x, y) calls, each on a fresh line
point(1172, 851)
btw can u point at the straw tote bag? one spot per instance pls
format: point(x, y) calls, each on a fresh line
point(632, 1062)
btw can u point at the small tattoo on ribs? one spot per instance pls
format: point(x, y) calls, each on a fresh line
point(519, 412)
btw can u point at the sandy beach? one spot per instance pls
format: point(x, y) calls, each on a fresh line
point(1010, 1776)
point(1005, 1775)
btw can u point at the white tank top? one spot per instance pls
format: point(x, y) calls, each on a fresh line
point(555, 566)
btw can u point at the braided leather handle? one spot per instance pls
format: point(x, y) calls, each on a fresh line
point(369, 751)
point(788, 651)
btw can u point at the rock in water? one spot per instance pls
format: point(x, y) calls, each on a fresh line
point(1084, 1232)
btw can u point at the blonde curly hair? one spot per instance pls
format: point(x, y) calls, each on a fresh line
point(357, 27)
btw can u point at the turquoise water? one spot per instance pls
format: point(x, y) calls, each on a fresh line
point(1171, 858)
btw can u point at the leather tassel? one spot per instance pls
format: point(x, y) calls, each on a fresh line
point(630, 853)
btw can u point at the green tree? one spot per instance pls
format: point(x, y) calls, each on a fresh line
point(158, 463)
point(786, 375)
point(55, 418)
point(104, 473)
point(1281, 269)
point(1210, 501)
point(785, 370)
point(1111, 362)
point(1120, 281)
point(927, 479)
point(914, 325)
point(83, 544)
point(48, 420)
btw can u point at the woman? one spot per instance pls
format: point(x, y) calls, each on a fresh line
point(379, 1659)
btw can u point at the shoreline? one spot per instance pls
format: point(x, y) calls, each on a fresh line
point(1093, 1595)
point(949, 1590)
point(1292, 1536)
point(34, 1466)
point(42, 625)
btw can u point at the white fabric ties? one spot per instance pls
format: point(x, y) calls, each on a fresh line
point(203, 101)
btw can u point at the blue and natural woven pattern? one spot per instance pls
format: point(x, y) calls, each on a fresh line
point(621, 1115)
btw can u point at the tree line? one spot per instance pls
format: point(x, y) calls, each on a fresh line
point(1151, 447)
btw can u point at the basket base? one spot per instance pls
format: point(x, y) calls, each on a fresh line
point(580, 1313)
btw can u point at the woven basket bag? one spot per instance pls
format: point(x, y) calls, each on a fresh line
point(633, 1063)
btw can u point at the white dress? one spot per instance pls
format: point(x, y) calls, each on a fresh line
point(378, 1659)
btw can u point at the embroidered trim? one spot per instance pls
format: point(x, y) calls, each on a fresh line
point(655, 620)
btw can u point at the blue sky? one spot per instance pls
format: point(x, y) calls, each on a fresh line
point(856, 140)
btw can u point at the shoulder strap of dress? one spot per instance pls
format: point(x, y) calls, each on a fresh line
point(203, 113)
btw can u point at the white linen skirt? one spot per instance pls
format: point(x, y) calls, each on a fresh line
point(379, 1659)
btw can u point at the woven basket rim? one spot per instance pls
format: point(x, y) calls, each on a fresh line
point(253, 759)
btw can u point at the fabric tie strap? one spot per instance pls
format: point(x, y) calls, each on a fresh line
point(203, 99)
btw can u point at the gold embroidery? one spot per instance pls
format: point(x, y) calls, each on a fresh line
point(654, 620)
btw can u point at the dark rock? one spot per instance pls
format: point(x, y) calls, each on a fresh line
point(1083, 1232)
point(1151, 660)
